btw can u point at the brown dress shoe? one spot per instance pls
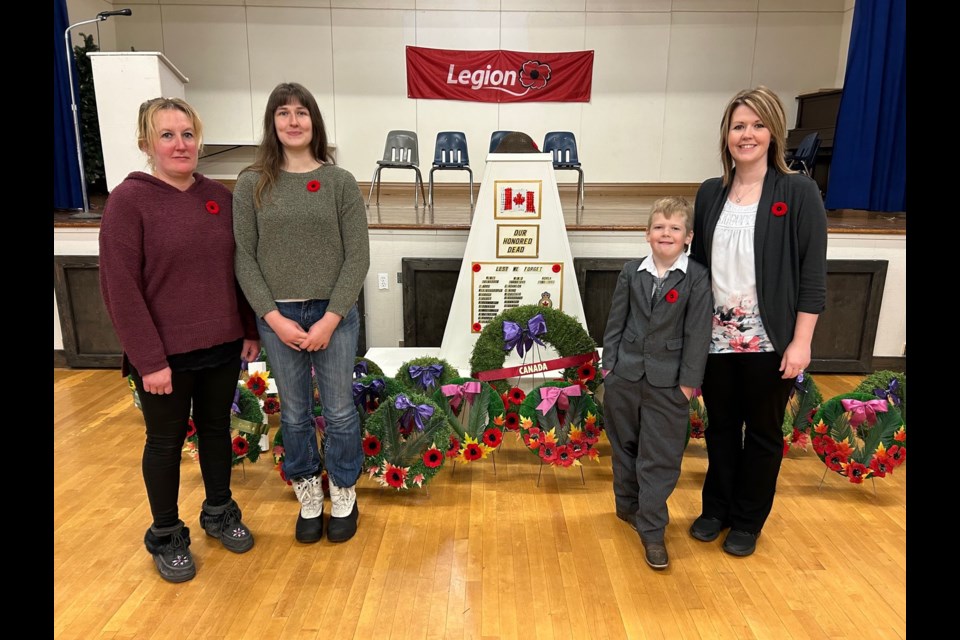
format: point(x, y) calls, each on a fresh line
point(655, 553)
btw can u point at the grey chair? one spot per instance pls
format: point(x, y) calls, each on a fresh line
point(401, 151)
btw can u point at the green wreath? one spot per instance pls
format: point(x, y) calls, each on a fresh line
point(477, 422)
point(367, 401)
point(805, 399)
point(561, 437)
point(397, 453)
point(888, 385)
point(564, 333)
point(365, 367)
point(248, 423)
point(871, 444)
point(447, 373)
point(696, 418)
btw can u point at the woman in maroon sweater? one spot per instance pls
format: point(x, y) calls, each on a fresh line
point(166, 275)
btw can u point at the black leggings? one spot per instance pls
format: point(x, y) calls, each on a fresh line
point(211, 393)
point(738, 389)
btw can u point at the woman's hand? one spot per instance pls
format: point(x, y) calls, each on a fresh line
point(318, 338)
point(289, 332)
point(250, 351)
point(159, 382)
point(796, 358)
point(687, 391)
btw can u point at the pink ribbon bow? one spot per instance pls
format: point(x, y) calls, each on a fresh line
point(456, 391)
point(863, 410)
point(556, 395)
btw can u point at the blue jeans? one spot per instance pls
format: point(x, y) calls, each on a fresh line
point(343, 453)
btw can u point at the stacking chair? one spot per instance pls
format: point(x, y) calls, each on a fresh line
point(451, 153)
point(805, 156)
point(562, 145)
point(400, 151)
point(495, 139)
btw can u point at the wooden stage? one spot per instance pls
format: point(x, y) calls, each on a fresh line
point(483, 552)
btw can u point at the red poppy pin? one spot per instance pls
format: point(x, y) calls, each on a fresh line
point(213, 207)
point(556, 268)
point(476, 327)
point(671, 296)
point(313, 185)
point(476, 267)
point(779, 209)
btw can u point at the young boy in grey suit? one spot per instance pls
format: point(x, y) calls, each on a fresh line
point(654, 354)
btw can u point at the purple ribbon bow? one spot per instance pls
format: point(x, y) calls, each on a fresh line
point(425, 376)
point(861, 411)
point(556, 395)
point(364, 394)
point(523, 339)
point(235, 407)
point(890, 392)
point(360, 369)
point(456, 391)
point(415, 412)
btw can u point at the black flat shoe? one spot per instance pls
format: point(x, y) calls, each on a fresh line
point(740, 543)
point(707, 529)
point(629, 518)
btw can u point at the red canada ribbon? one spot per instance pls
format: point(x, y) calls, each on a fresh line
point(779, 209)
point(671, 296)
point(550, 365)
point(213, 207)
point(313, 185)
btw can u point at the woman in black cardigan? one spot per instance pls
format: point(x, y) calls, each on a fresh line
point(761, 230)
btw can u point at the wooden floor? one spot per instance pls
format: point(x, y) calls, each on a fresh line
point(484, 553)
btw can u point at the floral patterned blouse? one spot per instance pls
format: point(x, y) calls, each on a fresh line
point(737, 327)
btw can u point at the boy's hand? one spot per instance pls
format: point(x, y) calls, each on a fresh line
point(687, 391)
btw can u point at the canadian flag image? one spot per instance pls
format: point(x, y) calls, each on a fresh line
point(521, 200)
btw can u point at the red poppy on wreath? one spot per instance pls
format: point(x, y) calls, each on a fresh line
point(476, 267)
point(900, 435)
point(271, 406)
point(835, 460)
point(191, 428)
point(257, 384)
point(593, 433)
point(395, 476)
point(671, 296)
point(556, 268)
point(240, 446)
point(779, 209)
point(880, 466)
point(548, 452)
point(283, 475)
point(534, 74)
point(898, 454)
point(472, 452)
point(313, 186)
point(432, 458)
point(512, 421)
point(453, 449)
point(477, 327)
point(856, 472)
point(492, 438)
point(516, 395)
point(564, 456)
point(586, 373)
point(213, 207)
point(371, 445)
point(577, 448)
point(786, 446)
point(532, 438)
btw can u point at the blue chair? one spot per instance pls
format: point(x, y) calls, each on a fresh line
point(562, 145)
point(495, 139)
point(451, 153)
point(805, 155)
point(401, 151)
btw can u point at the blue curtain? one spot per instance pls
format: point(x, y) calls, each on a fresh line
point(869, 166)
point(67, 192)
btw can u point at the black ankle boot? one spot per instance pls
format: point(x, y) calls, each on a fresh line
point(223, 522)
point(170, 548)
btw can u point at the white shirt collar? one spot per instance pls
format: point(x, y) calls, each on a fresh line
point(647, 265)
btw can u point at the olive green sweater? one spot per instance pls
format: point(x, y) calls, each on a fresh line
point(309, 240)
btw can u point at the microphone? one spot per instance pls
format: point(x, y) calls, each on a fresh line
point(103, 15)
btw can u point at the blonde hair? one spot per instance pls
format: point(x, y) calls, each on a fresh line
point(670, 206)
point(766, 104)
point(146, 121)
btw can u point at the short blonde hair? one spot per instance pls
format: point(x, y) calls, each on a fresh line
point(146, 120)
point(766, 104)
point(670, 206)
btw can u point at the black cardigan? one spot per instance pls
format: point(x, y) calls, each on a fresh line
point(790, 249)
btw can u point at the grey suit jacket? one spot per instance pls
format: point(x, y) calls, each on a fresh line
point(666, 341)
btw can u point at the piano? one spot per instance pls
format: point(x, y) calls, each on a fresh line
point(817, 111)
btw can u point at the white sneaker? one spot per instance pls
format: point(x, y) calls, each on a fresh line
point(310, 494)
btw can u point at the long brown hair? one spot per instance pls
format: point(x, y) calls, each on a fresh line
point(766, 104)
point(269, 157)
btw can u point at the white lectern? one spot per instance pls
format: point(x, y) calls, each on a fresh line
point(123, 80)
point(517, 254)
